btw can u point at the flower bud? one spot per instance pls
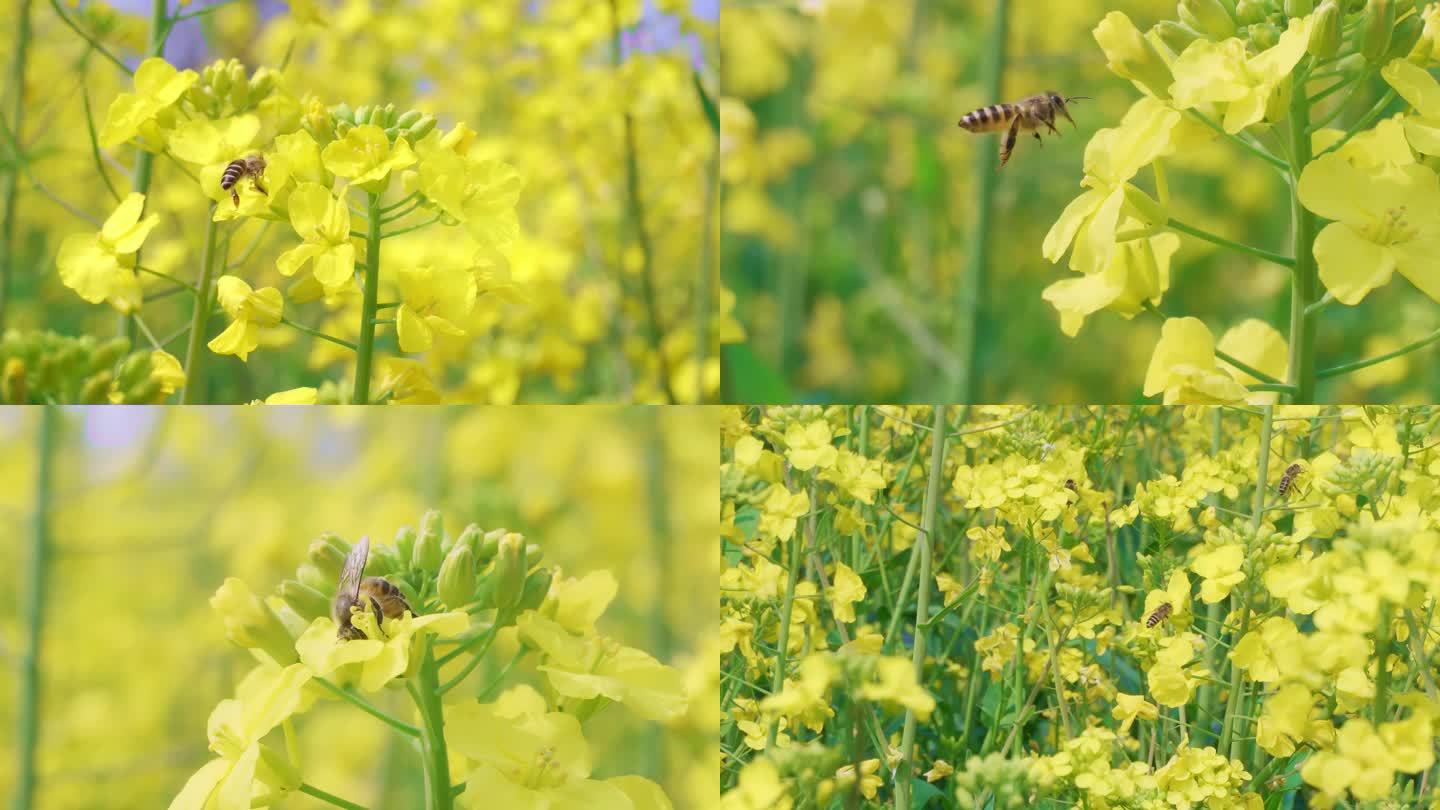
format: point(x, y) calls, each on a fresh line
point(134, 370)
point(408, 119)
point(328, 553)
point(1208, 17)
point(96, 390)
point(305, 600)
point(147, 392)
point(457, 577)
point(384, 561)
point(216, 77)
point(422, 127)
point(1376, 28)
point(362, 115)
point(1131, 56)
point(427, 553)
point(343, 127)
point(1299, 8)
point(510, 567)
point(1176, 36)
point(262, 83)
point(342, 112)
point(315, 577)
point(1263, 36)
point(391, 133)
point(108, 352)
point(1404, 38)
point(251, 624)
point(13, 389)
point(376, 116)
point(388, 119)
point(405, 544)
point(1249, 12)
point(536, 586)
point(1325, 31)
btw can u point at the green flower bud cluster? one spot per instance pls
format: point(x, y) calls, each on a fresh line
point(43, 367)
point(1366, 475)
point(474, 571)
point(1008, 780)
point(1032, 437)
point(224, 89)
point(810, 766)
point(412, 125)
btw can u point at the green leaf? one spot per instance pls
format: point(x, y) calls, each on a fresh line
point(712, 112)
point(921, 792)
point(750, 379)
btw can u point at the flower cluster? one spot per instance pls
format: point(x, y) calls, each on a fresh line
point(1155, 608)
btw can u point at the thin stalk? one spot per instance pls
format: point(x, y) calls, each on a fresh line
point(1305, 279)
point(10, 183)
point(315, 333)
point(786, 605)
point(1346, 368)
point(369, 708)
point(366, 350)
point(971, 286)
point(1230, 731)
point(1361, 125)
point(922, 599)
point(1382, 671)
point(636, 212)
point(27, 726)
point(426, 692)
point(195, 347)
point(1241, 142)
point(331, 798)
point(661, 639)
point(1276, 258)
point(705, 279)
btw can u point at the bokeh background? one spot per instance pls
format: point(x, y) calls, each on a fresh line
point(848, 214)
point(545, 84)
point(152, 508)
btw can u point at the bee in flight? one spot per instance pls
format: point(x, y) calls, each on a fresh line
point(1027, 114)
point(1160, 614)
point(251, 166)
point(376, 592)
point(1288, 479)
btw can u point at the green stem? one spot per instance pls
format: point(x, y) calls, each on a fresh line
point(661, 542)
point(95, 145)
point(318, 334)
point(1241, 142)
point(101, 49)
point(426, 691)
point(1305, 279)
point(369, 708)
point(145, 161)
point(922, 599)
point(195, 347)
point(636, 212)
point(777, 682)
point(1276, 258)
point(365, 353)
point(1248, 369)
point(427, 223)
point(1230, 726)
point(987, 173)
point(475, 661)
point(1382, 672)
point(329, 797)
point(1346, 368)
point(10, 184)
point(1362, 125)
point(27, 727)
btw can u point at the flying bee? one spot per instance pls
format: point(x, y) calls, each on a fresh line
point(1288, 479)
point(251, 166)
point(1160, 614)
point(382, 597)
point(1029, 114)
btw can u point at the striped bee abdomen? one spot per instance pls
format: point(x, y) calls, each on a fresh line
point(989, 119)
point(1160, 614)
point(233, 173)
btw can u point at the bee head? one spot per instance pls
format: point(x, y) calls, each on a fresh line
point(1059, 101)
point(349, 632)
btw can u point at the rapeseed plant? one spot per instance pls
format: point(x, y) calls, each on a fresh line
point(1132, 611)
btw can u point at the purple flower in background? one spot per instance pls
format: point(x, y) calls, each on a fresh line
point(186, 46)
point(659, 32)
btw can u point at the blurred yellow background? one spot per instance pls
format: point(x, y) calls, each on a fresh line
point(152, 508)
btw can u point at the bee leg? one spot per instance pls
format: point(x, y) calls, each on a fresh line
point(260, 188)
point(235, 195)
point(1038, 139)
point(1009, 143)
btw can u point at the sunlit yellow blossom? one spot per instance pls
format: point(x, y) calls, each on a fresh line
point(846, 590)
point(780, 511)
point(383, 655)
point(1184, 368)
point(100, 267)
point(588, 667)
point(808, 446)
point(158, 85)
point(432, 300)
point(896, 684)
point(870, 780)
point(1220, 569)
point(250, 310)
point(324, 223)
point(1130, 707)
point(366, 157)
point(1221, 72)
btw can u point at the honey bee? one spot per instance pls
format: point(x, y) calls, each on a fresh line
point(1288, 479)
point(1029, 114)
point(383, 597)
point(251, 166)
point(1160, 614)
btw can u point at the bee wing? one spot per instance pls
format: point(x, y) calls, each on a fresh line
point(353, 569)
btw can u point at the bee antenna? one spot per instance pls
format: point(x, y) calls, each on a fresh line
point(1075, 98)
